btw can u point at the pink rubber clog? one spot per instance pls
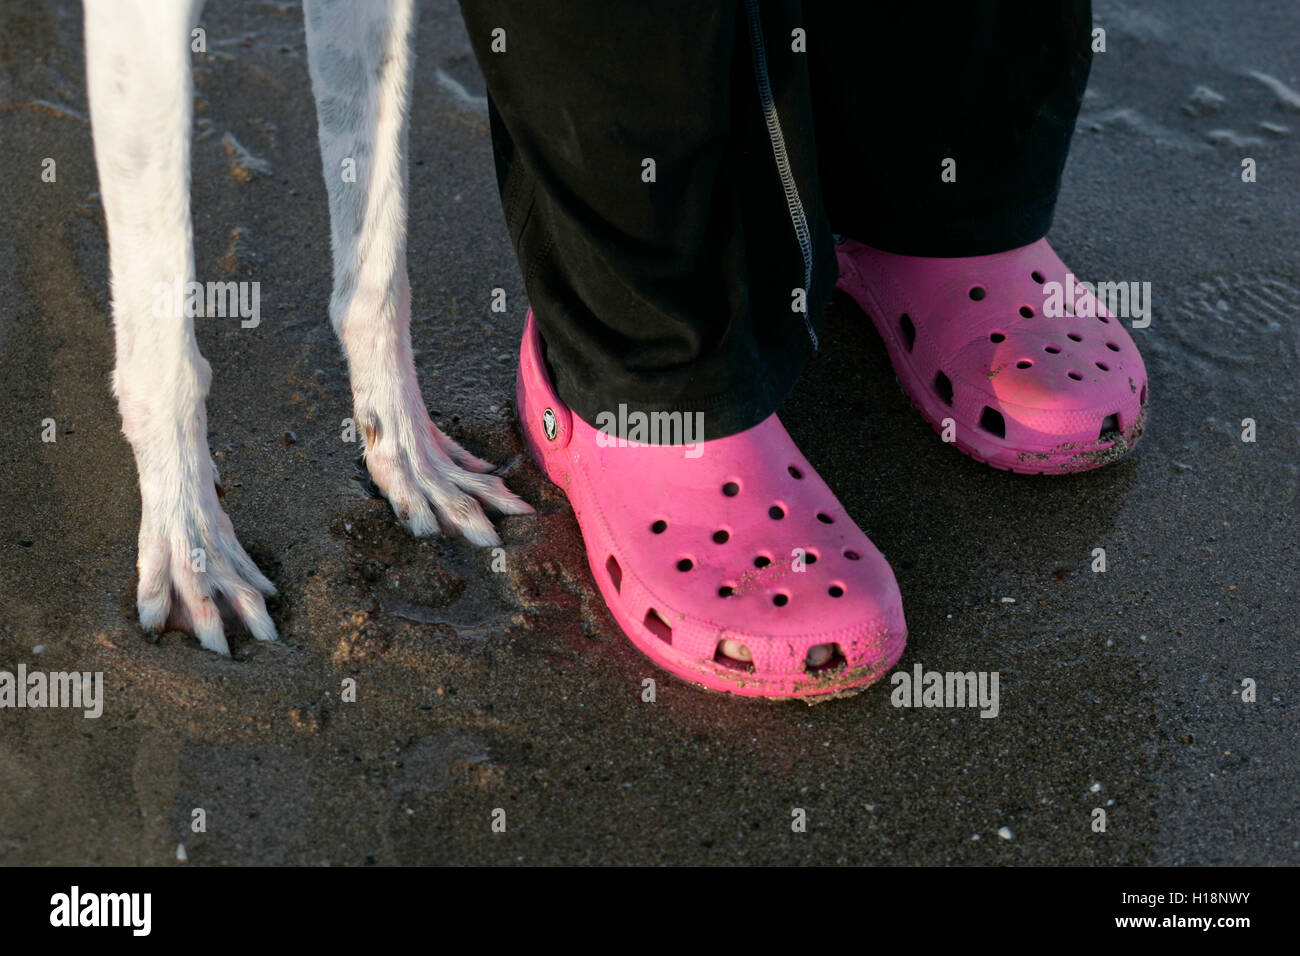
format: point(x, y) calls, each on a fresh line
point(975, 350)
point(729, 563)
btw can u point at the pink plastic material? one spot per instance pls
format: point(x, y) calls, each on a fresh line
point(971, 344)
point(690, 552)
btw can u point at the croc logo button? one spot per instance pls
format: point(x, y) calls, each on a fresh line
point(549, 424)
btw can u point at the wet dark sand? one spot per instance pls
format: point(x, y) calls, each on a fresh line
point(479, 691)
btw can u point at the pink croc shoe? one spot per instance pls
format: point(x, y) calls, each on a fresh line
point(971, 344)
point(737, 568)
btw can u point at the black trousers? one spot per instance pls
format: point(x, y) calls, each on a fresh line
point(672, 173)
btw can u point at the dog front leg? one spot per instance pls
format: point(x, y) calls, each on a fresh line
point(360, 56)
point(140, 90)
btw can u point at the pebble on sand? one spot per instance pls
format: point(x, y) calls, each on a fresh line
point(1203, 101)
point(1005, 833)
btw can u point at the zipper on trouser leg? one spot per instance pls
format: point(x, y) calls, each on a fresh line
point(798, 219)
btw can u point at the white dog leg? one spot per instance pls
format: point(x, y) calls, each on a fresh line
point(140, 91)
point(360, 57)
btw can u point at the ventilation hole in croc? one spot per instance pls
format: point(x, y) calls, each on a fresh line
point(1108, 424)
point(1027, 311)
point(997, 337)
point(1103, 366)
point(1024, 363)
point(908, 330)
point(731, 489)
point(776, 512)
point(817, 656)
point(824, 518)
point(726, 591)
point(762, 561)
point(657, 626)
point(795, 473)
point(991, 421)
point(822, 658)
point(977, 292)
point(1052, 350)
point(943, 388)
point(685, 564)
point(1074, 336)
point(659, 527)
point(809, 557)
point(852, 555)
point(726, 660)
point(1104, 318)
point(615, 573)
point(835, 591)
point(721, 536)
point(780, 599)
point(1142, 399)
point(1037, 277)
point(1074, 375)
point(1112, 346)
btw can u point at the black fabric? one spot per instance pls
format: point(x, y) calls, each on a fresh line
point(677, 295)
point(900, 87)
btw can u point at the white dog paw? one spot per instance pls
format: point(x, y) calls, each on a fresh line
point(432, 483)
point(193, 568)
